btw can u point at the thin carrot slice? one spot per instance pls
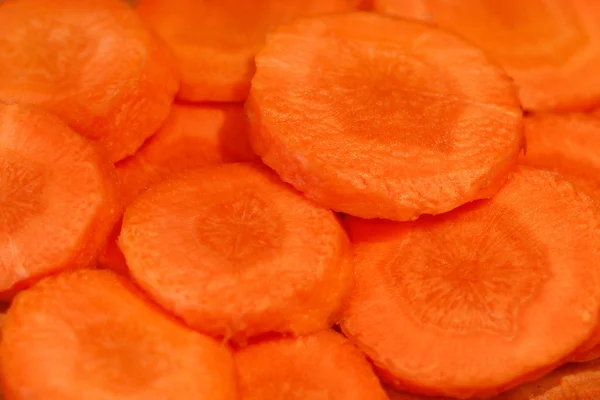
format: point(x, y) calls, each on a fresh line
point(382, 118)
point(550, 48)
point(58, 197)
point(93, 63)
point(324, 365)
point(90, 334)
point(249, 255)
point(480, 299)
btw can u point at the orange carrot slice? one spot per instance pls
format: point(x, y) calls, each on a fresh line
point(382, 118)
point(90, 335)
point(550, 48)
point(324, 365)
point(93, 63)
point(249, 255)
point(58, 198)
point(480, 299)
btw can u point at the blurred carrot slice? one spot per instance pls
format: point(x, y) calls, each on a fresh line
point(93, 63)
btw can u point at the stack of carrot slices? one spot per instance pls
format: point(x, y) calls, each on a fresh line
point(299, 200)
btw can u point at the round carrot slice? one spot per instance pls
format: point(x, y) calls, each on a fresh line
point(324, 365)
point(58, 197)
point(91, 62)
point(382, 118)
point(235, 252)
point(215, 41)
point(482, 298)
point(90, 335)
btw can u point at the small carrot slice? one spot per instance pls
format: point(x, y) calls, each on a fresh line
point(482, 298)
point(249, 255)
point(382, 118)
point(324, 365)
point(58, 197)
point(91, 62)
point(215, 41)
point(90, 334)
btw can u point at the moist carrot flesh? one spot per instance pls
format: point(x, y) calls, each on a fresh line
point(236, 253)
point(379, 117)
point(91, 62)
point(58, 197)
point(480, 299)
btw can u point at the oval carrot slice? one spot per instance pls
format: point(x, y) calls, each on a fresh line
point(482, 298)
point(382, 118)
point(58, 197)
point(91, 62)
point(90, 335)
point(215, 41)
point(249, 255)
point(550, 48)
point(324, 365)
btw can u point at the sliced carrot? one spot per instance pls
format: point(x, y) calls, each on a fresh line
point(58, 197)
point(378, 117)
point(482, 298)
point(93, 63)
point(215, 41)
point(324, 365)
point(89, 334)
point(235, 252)
point(550, 48)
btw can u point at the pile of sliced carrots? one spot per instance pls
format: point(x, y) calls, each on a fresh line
point(300, 199)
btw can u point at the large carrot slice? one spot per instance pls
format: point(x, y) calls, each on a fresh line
point(58, 199)
point(93, 63)
point(90, 335)
point(378, 117)
point(550, 48)
point(482, 298)
point(215, 41)
point(249, 255)
point(324, 365)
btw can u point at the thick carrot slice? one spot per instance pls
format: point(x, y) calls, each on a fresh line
point(93, 63)
point(550, 48)
point(215, 41)
point(58, 197)
point(480, 299)
point(324, 365)
point(378, 117)
point(249, 255)
point(89, 334)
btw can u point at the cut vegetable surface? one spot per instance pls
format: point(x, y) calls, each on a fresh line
point(480, 299)
point(235, 252)
point(215, 41)
point(324, 365)
point(93, 63)
point(378, 117)
point(58, 197)
point(89, 335)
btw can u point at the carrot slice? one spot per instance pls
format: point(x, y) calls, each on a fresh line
point(249, 256)
point(89, 334)
point(550, 48)
point(58, 197)
point(377, 117)
point(480, 299)
point(93, 63)
point(215, 41)
point(324, 365)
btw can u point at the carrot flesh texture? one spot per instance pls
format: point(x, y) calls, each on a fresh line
point(324, 365)
point(382, 118)
point(215, 42)
point(49, 223)
point(91, 62)
point(482, 298)
point(249, 256)
point(395, 395)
